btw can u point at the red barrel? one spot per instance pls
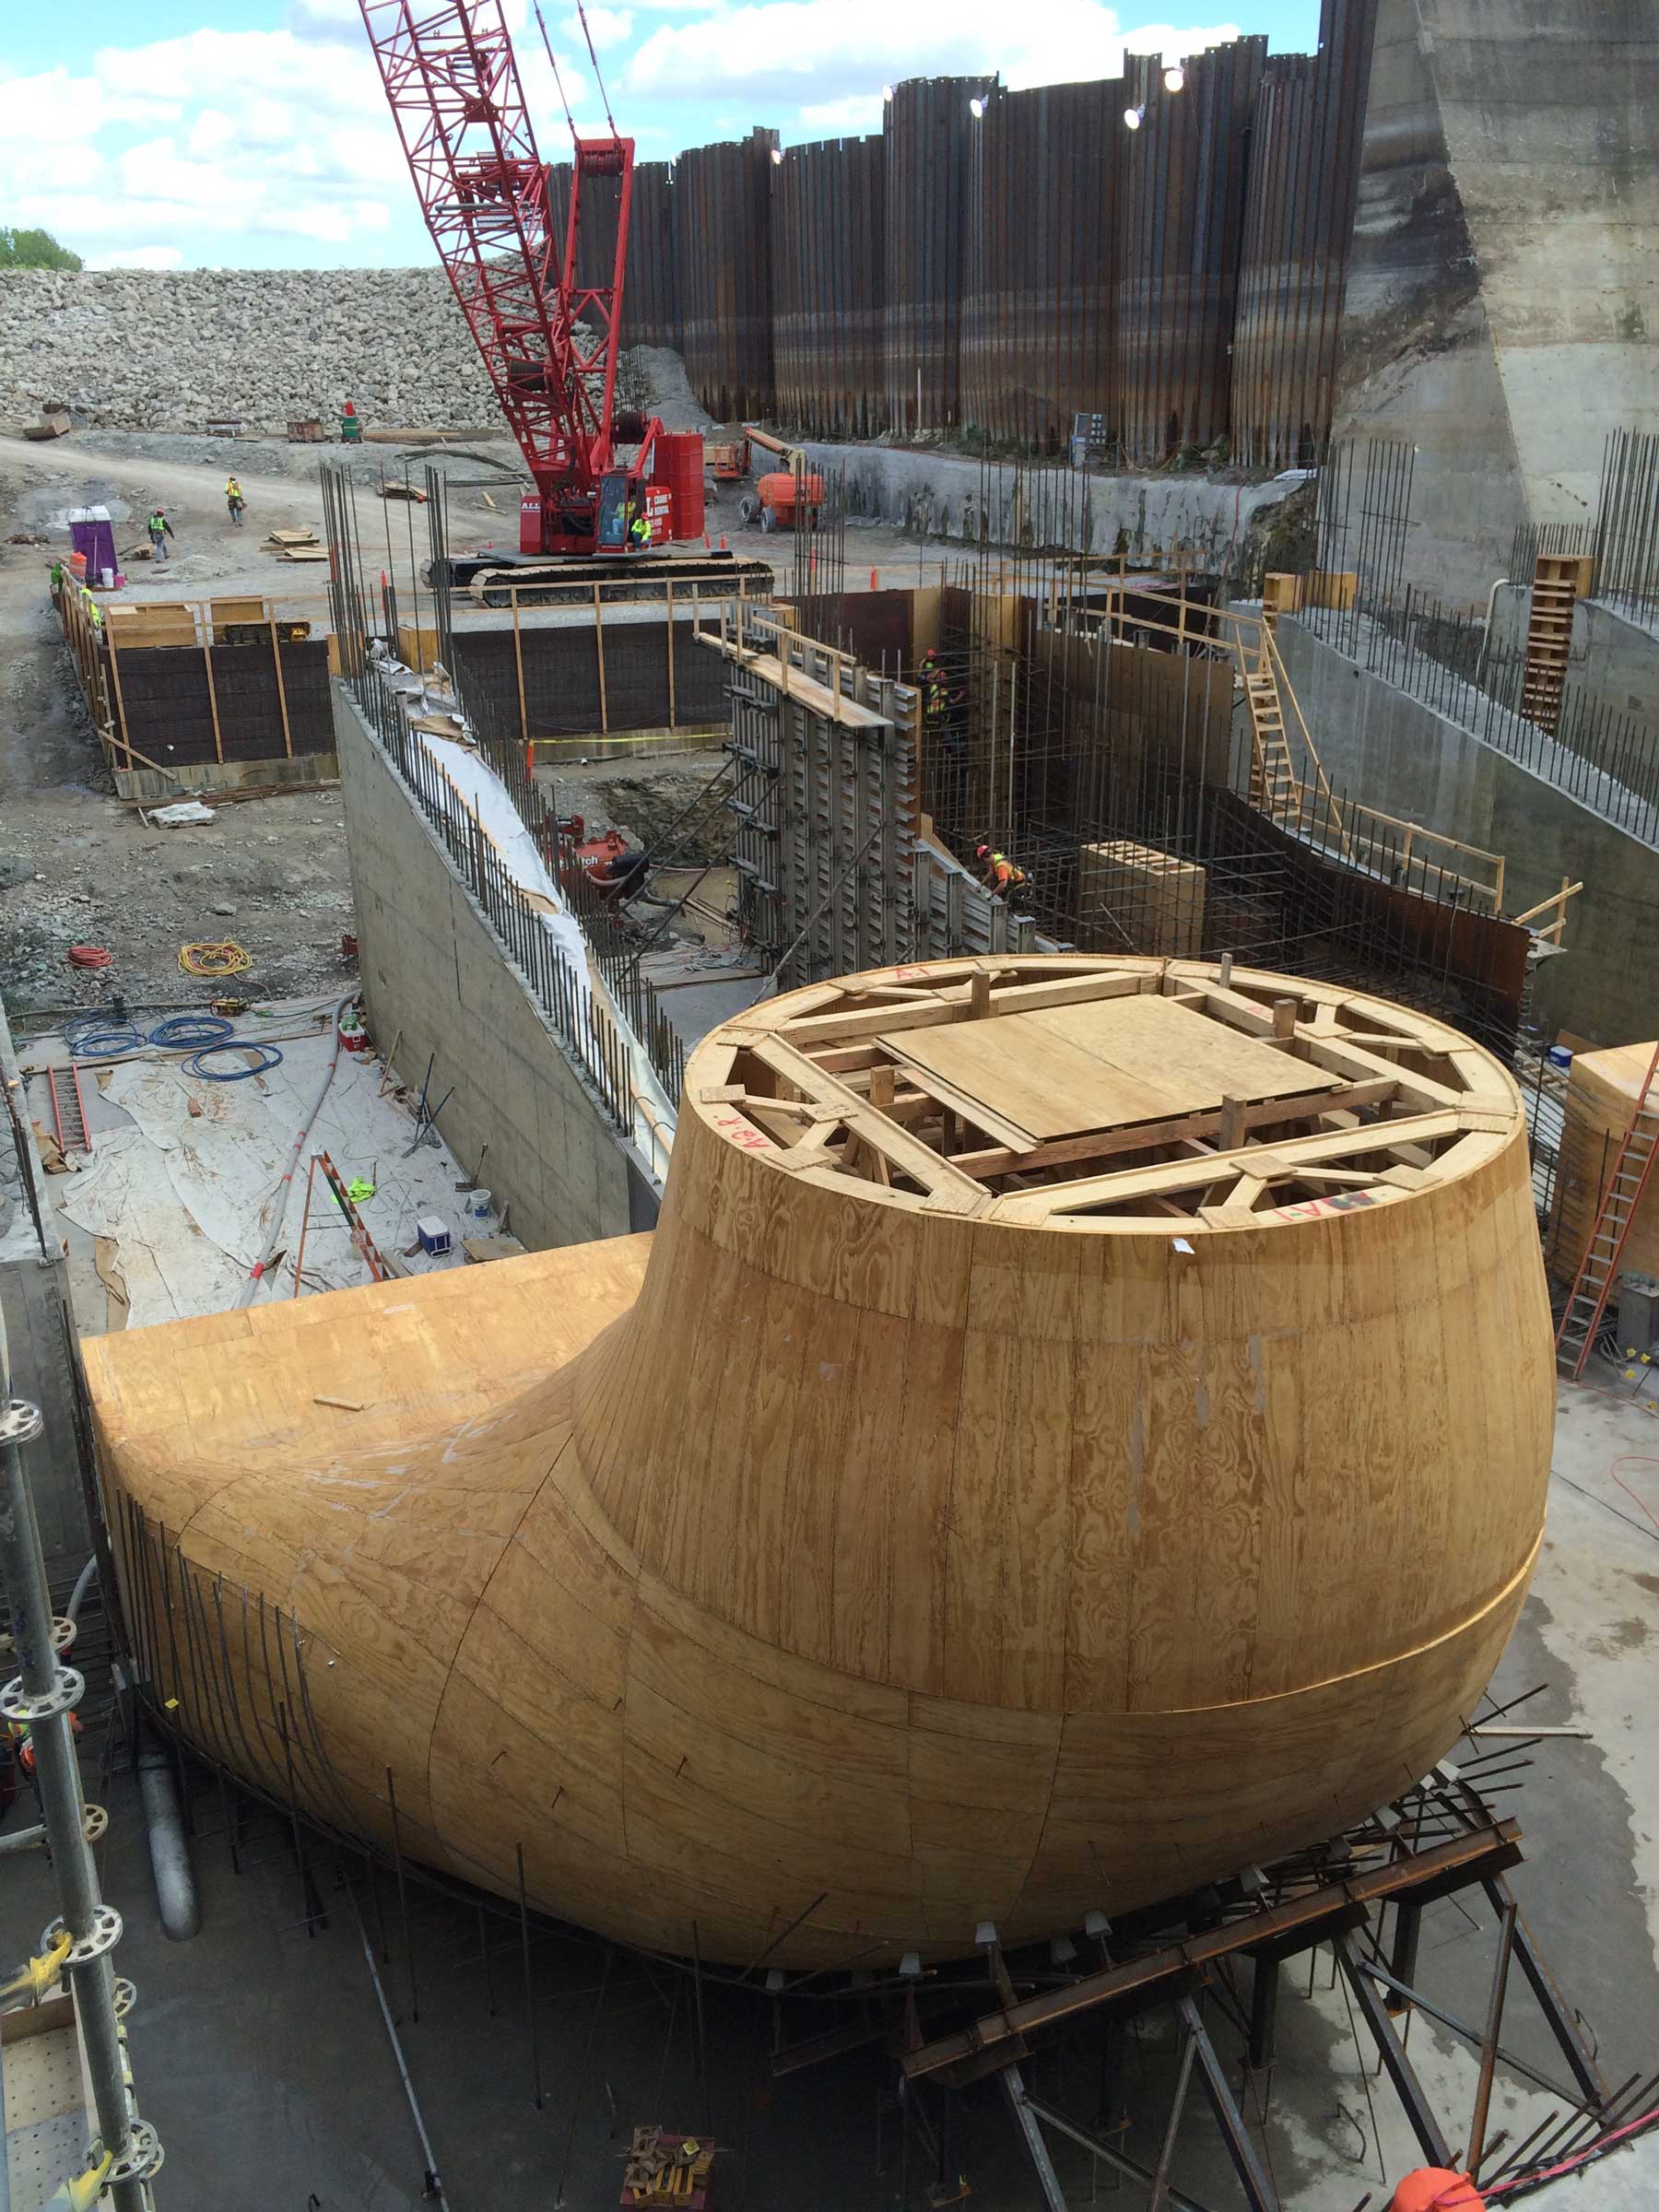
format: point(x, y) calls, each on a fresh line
point(679, 466)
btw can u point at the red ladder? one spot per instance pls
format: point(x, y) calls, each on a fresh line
point(1598, 1269)
point(68, 1109)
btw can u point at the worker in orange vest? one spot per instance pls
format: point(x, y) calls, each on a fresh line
point(1000, 876)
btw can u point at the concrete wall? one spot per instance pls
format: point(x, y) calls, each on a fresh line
point(34, 1343)
point(940, 495)
point(434, 972)
point(1615, 660)
point(1503, 311)
point(1394, 752)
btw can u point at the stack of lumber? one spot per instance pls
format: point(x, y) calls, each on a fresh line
point(295, 545)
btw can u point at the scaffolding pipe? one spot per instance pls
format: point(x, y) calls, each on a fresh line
point(45, 1694)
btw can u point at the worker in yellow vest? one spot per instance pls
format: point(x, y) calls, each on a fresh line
point(234, 500)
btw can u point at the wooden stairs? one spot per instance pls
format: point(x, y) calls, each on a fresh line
point(1598, 1270)
point(1559, 581)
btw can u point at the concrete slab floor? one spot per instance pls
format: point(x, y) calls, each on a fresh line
point(261, 2056)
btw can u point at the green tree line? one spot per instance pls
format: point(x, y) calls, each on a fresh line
point(33, 250)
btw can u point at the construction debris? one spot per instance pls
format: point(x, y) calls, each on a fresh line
point(667, 2170)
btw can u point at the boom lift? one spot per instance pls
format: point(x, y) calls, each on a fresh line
point(548, 341)
point(785, 497)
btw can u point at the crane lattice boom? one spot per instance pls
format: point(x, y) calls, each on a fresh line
point(548, 343)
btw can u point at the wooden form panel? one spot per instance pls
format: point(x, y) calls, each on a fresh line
point(911, 1540)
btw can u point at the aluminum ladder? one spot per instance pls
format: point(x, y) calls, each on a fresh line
point(1598, 1270)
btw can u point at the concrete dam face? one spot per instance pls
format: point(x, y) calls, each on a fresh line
point(1079, 1430)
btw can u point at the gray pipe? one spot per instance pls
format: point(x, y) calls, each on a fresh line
point(168, 1848)
point(83, 1583)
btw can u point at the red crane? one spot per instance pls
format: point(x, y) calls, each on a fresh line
point(547, 339)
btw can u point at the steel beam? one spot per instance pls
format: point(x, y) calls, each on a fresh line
point(1474, 1851)
point(1409, 2089)
point(1259, 2191)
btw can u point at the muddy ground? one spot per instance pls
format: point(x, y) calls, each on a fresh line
point(79, 866)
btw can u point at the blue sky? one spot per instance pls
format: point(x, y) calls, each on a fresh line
point(253, 132)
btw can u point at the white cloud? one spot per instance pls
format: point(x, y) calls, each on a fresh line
point(607, 27)
point(195, 146)
point(848, 117)
point(847, 47)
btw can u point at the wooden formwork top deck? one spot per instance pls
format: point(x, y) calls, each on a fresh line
point(1080, 1092)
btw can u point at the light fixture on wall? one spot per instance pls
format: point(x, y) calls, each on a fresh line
point(777, 153)
point(1132, 118)
point(887, 91)
point(976, 108)
point(1174, 78)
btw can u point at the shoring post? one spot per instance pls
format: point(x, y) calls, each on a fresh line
point(44, 1694)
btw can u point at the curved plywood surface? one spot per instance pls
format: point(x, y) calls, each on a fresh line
point(1081, 1428)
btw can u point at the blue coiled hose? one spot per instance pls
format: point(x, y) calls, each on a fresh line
point(269, 1058)
point(191, 1032)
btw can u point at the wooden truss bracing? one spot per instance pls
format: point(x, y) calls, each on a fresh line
point(1134, 1093)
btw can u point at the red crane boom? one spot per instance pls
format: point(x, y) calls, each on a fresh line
point(453, 86)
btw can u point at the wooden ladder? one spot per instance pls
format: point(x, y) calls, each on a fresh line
point(1559, 581)
point(1274, 787)
point(68, 1109)
point(1598, 1270)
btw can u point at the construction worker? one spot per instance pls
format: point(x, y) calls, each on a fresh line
point(234, 500)
point(639, 530)
point(999, 876)
point(93, 611)
point(161, 530)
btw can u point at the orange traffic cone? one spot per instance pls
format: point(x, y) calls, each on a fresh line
point(874, 585)
point(724, 547)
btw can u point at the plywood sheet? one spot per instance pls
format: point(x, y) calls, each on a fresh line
point(1103, 1063)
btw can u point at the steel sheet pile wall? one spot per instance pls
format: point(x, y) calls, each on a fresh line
point(1037, 338)
point(1179, 239)
point(929, 175)
point(1007, 271)
point(1299, 213)
point(722, 232)
point(829, 243)
point(649, 297)
point(651, 302)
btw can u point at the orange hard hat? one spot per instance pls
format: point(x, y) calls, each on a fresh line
point(1437, 2189)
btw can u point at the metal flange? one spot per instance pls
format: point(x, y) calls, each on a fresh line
point(126, 1996)
point(63, 1634)
point(103, 1936)
point(66, 1694)
point(142, 2157)
point(95, 1822)
point(20, 1422)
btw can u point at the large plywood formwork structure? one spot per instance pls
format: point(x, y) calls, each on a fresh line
point(1079, 1428)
